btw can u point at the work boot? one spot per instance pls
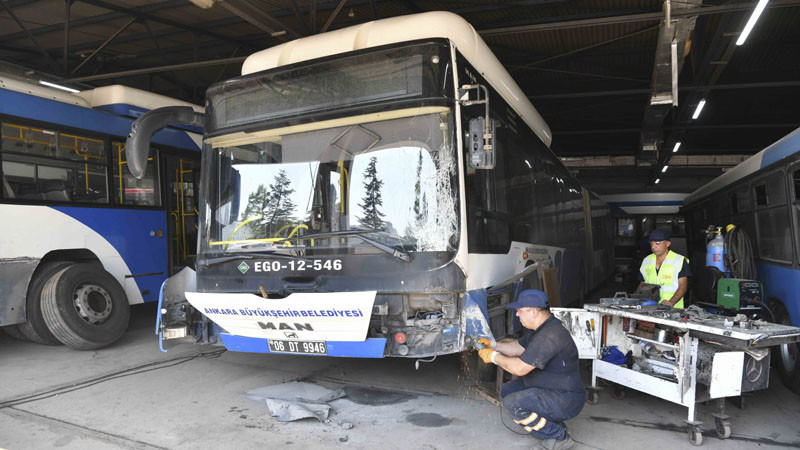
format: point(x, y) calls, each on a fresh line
point(557, 444)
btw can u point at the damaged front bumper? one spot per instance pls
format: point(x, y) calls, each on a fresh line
point(394, 325)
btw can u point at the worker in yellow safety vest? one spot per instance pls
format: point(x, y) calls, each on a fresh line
point(665, 268)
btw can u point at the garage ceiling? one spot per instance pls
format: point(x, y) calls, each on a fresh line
point(599, 72)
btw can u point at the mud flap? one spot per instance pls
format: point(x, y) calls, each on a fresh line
point(475, 316)
point(173, 290)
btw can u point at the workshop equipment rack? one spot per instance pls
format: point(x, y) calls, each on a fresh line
point(714, 357)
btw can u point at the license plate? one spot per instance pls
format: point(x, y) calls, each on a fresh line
point(304, 347)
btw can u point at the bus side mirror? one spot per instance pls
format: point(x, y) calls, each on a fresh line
point(481, 147)
point(481, 139)
point(137, 146)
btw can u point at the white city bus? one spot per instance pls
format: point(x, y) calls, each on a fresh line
point(380, 190)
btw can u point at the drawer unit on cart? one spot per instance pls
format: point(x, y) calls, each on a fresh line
point(683, 356)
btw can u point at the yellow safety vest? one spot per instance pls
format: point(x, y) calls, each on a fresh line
point(667, 275)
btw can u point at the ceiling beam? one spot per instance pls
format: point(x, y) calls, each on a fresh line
point(168, 68)
point(140, 12)
point(333, 16)
point(92, 20)
point(624, 92)
point(643, 17)
point(686, 128)
point(259, 18)
point(104, 44)
point(30, 35)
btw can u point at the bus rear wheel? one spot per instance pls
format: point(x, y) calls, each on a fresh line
point(84, 307)
point(788, 355)
point(35, 327)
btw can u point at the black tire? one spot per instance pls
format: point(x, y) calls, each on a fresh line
point(35, 327)
point(787, 356)
point(84, 307)
point(14, 332)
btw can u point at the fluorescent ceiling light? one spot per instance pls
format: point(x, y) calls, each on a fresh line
point(658, 180)
point(699, 109)
point(751, 22)
point(677, 146)
point(664, 169)
point(58, 86)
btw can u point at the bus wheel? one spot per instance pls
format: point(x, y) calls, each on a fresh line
point(787, 354)
point(34, 327)
point(84, 307)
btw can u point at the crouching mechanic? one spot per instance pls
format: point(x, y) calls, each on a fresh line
point(549, 390)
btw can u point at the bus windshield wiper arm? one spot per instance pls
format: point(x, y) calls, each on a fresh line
point(399, 254)
point(207, 262)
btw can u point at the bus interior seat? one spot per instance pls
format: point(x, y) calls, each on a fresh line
point(54, 190)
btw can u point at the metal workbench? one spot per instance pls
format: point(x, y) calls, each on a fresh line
point(706, 357)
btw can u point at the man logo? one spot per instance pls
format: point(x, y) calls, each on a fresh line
point(291, 335)
point(243, 267)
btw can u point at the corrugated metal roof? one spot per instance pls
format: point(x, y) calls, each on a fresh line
point(591, 82)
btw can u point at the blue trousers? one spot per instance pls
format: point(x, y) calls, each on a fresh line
point(539, 411)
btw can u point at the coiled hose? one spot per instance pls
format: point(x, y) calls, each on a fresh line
point(739, 254)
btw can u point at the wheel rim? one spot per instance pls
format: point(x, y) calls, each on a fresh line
point(93, 303)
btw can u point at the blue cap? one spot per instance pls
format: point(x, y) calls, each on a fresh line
point(530, 298)
point(659, 235)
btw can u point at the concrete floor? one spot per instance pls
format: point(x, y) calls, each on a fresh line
point(132, 396)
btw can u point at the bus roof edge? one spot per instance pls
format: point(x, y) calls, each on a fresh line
point(435, 24)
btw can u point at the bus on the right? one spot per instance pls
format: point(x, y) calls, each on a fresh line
point(760, 197)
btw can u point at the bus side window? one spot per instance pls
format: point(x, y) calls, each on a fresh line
point(796, 185)
point(52, 166)
point(127, 189)
point(772, 219)
point(760, 191)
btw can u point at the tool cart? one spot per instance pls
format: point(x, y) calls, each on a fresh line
point(682, 356)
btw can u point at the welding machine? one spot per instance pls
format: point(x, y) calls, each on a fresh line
point(737, 294)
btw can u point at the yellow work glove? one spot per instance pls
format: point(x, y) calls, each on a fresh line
point(486, 355)
point(486, 342)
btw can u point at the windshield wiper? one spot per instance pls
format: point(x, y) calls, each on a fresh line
point(208, 262)
point(399, 254)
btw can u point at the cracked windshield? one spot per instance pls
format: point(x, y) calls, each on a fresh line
point(360, 188)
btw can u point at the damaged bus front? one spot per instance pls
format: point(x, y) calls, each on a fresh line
point(329, 213)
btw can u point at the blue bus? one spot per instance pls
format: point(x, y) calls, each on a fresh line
point(382, 190)
point(760, 196)
point(82, 238)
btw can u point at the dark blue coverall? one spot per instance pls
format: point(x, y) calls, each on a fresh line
point(542, 400)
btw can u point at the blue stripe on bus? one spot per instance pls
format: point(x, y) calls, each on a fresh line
point(36, 108)
point(128, 231)
point(370, 348)
point(124, 109)
point(781, 283)
point(788, 145)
